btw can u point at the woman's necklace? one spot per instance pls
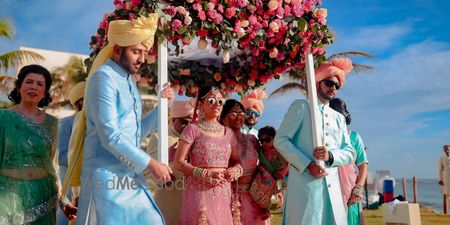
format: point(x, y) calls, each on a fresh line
point(210, 126)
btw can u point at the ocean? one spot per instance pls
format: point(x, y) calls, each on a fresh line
point(428, 192)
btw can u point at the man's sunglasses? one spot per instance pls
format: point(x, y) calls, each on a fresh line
point(265, 140)
point(330, 84)
point(251, 112)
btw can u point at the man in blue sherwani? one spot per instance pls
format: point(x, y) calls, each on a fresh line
point(113, 186)
point(313, 194)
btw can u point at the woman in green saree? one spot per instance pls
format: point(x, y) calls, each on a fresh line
point(29, 184)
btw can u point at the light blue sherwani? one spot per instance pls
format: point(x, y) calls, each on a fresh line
point(113, 188)
point(312, 201)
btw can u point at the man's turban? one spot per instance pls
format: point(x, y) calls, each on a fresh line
point(254, 100)
point(338, 67)
point(77, 93)
point(127, 33)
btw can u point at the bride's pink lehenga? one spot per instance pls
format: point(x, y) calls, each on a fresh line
point(211, 152)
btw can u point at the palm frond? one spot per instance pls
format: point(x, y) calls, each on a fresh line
point(351, 53)
point(361, 68)
point(6, 29)
point(289, 87)
point(16, 58)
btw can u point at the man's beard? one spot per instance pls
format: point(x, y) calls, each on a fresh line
point(248, 124)
point(324, 95)
point(126, 64)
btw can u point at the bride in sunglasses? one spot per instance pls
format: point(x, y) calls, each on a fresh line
point(207, 156)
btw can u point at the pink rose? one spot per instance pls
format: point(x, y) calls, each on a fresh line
point(273, 53)
point(244, 23)
point(242, 3)
point(211, 6)
point(171, 11)
point(251, 8)
point(287, 1)
point(187, 20)
point(150, 59)
point(190, 1)
point(238, 88)
point(176, 24)
point(230, 12)
point(274, 26)
point(241, 32)
point(220, 8)
point(217, 76)
point(202, 15)
point(181, 10)
point(197, 7)
point(273, 4)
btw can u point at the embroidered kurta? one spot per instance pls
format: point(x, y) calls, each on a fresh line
point(25, 144)
point(113, 188)
point(312, 201)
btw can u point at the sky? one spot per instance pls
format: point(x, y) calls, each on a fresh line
point(401, 109)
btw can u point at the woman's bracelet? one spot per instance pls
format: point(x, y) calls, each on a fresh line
point(63, 201)
point(358, 190)
point(200, 172)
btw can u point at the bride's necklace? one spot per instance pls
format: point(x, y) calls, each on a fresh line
point(210, 126)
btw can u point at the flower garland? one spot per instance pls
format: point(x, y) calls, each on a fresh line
point(258, 40)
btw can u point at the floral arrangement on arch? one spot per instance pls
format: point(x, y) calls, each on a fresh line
point(258, 40)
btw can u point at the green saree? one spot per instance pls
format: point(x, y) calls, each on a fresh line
point(24, 146)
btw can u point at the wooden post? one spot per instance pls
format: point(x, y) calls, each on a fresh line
point(367, 193)
point(445, 204)
point(405, 194)
point(163, 130)
point(415, 189)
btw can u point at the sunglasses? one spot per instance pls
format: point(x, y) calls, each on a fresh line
point(212, 101)
point(265, 140)
point(251, 112)
point(330, 84)
point(234, 115)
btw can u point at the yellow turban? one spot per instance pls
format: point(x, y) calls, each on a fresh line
point(77, 93)
point(123, 33)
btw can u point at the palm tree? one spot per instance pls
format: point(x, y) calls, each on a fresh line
point(14, 58)
point(65, 77)
point(298, 76)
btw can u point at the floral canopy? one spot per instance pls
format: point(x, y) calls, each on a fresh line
point(250, 41)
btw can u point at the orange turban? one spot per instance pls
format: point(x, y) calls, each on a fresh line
point(338, 67)
point(254, 100)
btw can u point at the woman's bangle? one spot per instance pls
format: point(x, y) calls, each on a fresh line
point(358, 190)
point(63, 201)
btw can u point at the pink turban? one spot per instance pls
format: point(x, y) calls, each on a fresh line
point(181, 109)
point(254, 100)
point(338, 67)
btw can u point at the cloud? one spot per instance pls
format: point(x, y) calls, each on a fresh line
point(371, 38)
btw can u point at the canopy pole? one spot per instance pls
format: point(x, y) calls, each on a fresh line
point(313, 104)
point(163, 153)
